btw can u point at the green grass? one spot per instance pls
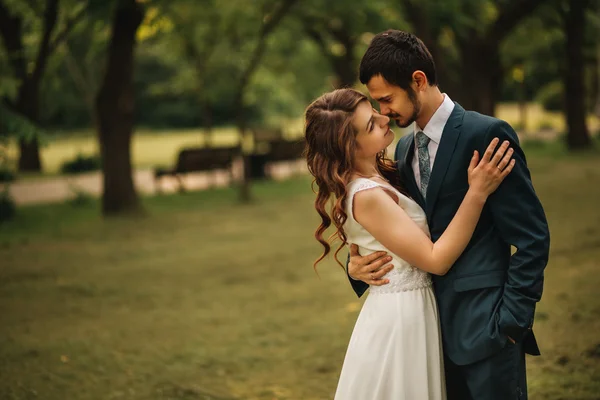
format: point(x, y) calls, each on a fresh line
point(208, 299)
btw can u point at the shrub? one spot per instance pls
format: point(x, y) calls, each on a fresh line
point(81, 164)
point(8, 208)
point(551, 96)
point(545, 125)
point(6, 175)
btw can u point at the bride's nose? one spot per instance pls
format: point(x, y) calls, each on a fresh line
point(385, 120)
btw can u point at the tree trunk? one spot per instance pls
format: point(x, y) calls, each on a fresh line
point(595, 95)
point(345, 65)
point(115, 112)
point(27, 104)
point(420, 16)
point(578, 136)
point(345, 69)
point(481, 76)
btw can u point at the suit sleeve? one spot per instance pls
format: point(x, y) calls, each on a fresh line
point(520, 219)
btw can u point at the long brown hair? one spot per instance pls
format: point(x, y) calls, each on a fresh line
point(330, 147)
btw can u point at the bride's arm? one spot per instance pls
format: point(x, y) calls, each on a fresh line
point(381, 216)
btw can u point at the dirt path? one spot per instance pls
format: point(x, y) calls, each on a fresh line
point(61, 188)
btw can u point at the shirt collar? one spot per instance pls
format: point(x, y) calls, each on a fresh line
point(434, 128)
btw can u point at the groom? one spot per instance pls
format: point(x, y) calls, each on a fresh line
point(487, 300)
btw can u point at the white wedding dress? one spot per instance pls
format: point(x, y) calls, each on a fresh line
point(395, 352)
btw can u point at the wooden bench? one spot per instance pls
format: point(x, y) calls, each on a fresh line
point(199, 160)
point(285, 151)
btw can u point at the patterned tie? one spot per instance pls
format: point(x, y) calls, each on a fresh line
point(424, 168)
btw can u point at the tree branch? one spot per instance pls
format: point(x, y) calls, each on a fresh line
point(510, 16)
point(275, 17)
point(35, 8)
point(11, 31)
point(313, 33)
point(69, 24)
point(50, 16)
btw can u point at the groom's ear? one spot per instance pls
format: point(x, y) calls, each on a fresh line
point(419, 80)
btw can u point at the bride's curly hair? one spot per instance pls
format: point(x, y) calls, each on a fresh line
point(330, 147)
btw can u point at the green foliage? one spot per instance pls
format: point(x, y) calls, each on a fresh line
point(8, 208)
point(81, 163)
point(15, 125)
point(6, 174)
point(551, 96)
point(190, 55)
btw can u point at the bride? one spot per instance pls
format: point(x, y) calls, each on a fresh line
point(395, 351)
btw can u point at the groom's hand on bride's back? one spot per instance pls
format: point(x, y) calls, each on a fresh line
point(369, 269)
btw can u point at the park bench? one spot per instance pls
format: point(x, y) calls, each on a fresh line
point(198, 160)
point(285, 151)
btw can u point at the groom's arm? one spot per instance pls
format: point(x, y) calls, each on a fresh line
point(367, 270)
point(359, 286)
point(520, 218)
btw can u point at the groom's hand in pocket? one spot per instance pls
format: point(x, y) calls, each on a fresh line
point(369, 269)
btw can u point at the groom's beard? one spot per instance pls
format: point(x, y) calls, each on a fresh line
point(416, 111)
point(413, 117)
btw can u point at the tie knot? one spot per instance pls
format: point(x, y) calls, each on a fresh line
point(422, 140)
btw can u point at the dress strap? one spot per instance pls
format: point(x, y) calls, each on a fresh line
point(361, 184)
point(364, 184)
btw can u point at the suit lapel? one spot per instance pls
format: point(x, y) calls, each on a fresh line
point(404, 158)
point(443, 157)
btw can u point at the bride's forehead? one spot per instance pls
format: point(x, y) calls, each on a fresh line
point(363, 114)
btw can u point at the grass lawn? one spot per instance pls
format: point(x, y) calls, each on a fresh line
point(206, 299)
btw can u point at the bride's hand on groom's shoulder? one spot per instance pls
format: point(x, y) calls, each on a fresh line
point(487, 174)
point(369, 269)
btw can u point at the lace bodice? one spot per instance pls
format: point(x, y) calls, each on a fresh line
point(404, 276)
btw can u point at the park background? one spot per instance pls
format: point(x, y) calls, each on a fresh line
point(116, 286)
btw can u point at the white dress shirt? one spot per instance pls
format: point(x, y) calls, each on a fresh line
point(433, 130)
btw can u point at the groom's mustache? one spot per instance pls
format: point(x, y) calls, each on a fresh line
point(396, 118)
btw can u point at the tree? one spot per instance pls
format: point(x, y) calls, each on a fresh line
point(12, 31)
point(481, 64)
point(573, 13)
point(199, 32)
point(272, 14)
point(338, 32)
point(476, 28)
point(430, 21)
point(115, 111)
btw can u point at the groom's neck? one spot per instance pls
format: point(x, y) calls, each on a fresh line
point(431, 100)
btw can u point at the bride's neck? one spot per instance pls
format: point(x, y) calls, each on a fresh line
point(366, 167)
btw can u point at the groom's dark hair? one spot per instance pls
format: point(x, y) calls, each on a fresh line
point(396, 55)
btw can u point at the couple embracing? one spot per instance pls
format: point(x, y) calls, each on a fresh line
point(450, 309)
